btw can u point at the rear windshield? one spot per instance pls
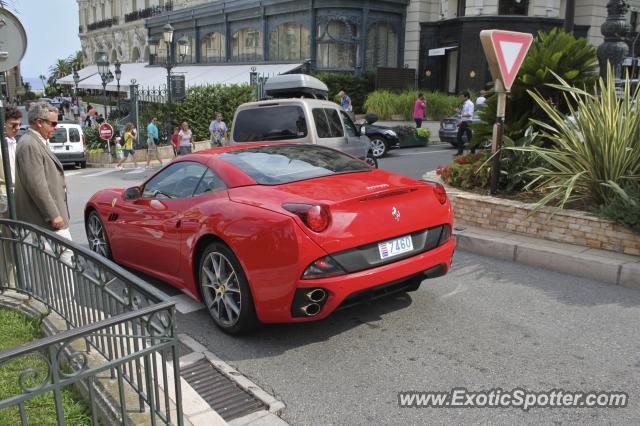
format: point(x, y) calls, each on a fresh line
point(59, 136)
point(270, 123)
point(277, 164)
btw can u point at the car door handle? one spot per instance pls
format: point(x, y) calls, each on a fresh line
point(179, 223)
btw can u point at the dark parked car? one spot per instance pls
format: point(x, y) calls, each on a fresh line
point(449, 129)
point(382, 138)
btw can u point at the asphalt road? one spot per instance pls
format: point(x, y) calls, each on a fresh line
point(487, 324)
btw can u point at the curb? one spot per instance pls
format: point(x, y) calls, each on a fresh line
point(609, 267)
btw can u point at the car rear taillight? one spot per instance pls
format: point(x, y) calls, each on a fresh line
point(440, 193)
point(323, 268)
point(316, 217)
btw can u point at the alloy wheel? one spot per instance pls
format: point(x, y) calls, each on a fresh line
point(379, 147)
point(221, 289)
point(97, 235)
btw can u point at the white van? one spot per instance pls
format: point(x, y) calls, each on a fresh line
point(67, 143)
point(295, 114)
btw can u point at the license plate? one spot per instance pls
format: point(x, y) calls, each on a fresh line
point(57, 148)
point(449, 126)
point(395, 247)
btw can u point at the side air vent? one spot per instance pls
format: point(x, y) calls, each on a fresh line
point(113, 217)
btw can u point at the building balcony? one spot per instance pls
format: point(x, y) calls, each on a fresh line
point(148, 12)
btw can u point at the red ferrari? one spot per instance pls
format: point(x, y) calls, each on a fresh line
point(276, 233)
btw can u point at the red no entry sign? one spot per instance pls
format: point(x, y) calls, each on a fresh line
point(105, 131)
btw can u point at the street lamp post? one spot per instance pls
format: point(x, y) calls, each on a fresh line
point(103, 70)
point(76, 80)
point(170, 62)
point(118, 73)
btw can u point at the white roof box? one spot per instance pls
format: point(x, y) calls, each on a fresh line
point(295, 86)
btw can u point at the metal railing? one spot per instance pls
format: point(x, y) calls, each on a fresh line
point(116, 324)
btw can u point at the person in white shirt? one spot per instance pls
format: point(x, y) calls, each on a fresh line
point(12, 125)
point(480, 100)
point(464, 131)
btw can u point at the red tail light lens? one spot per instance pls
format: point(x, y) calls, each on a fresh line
point(440, 193)
point(316, 217)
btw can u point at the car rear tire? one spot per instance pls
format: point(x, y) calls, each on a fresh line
point(225, 290)
point(371, 160)
point(83, 165)
point(379, 147)
point(97, 235)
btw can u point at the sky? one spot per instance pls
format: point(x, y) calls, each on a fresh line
point(52, 32)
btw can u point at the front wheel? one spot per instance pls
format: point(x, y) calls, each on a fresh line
point(379, 147)
point(97, 235)
point(225, 290)
point(371, 160)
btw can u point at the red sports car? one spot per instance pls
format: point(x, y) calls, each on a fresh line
point(276, 233)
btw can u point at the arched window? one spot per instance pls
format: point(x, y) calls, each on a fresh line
point(289, 42)
point(513, 7)
point(247, 45)
point(381, 47)
point(213, 48)
point(337, 45)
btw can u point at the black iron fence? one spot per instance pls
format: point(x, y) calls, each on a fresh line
point(148, 12)
point(119, 348)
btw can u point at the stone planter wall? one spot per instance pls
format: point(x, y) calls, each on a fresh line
point(201, 146)
point(566, 226)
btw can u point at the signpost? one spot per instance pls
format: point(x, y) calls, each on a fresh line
point(105, 131)
point(13, 45)
point(505, 52)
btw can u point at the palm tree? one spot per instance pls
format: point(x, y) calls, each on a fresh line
point(43, 79)
point(61, 68)
point(76, 60)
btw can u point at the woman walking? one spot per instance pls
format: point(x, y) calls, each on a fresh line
point(185, 136)
point(418, 110)
point(128, 147)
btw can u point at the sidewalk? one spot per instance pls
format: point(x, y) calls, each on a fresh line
point(601, 265)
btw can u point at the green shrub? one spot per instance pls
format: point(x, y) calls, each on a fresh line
point(384, 104)
point(595, 153)
point(356, 86)
point(625, 210)
point(423, 132)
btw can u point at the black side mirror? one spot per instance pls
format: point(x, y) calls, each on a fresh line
point(132, 193)
point(371, 118)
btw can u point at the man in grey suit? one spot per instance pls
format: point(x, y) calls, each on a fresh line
point(41, 190)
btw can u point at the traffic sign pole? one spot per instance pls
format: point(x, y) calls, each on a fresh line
point(498, 133)
point(505, 52)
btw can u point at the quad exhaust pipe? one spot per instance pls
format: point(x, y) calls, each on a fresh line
point(311, 310)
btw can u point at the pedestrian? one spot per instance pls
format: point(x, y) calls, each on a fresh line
point(12, 125)
point(128, 150)
point(185, 136)
point(41, 189)
point(480, 100)
point(153, 140)
point(175, 140)
point(345, 101)
point(76, 113)
point(119, 152)
point(99, 119)
point(418, 110)
point(218, 131)
point(464, 129)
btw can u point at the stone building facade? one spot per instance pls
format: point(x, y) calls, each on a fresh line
point(438, 38)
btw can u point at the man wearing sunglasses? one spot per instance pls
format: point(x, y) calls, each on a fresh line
point(41, 190)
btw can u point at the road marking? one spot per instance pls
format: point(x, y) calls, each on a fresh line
point(72, 173)
point(104, 172)
point(135, 171)
point(419, 153)
point(185, 304)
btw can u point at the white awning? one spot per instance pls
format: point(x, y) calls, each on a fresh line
point(440, 51)
point(83, 73)
point(149, 77)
